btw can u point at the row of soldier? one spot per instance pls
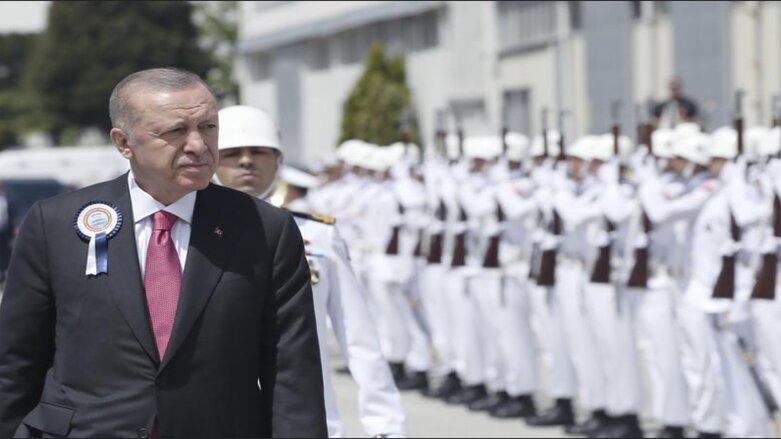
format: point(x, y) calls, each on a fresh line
point(491, 253)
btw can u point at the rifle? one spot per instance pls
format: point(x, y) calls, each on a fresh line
point(504, 132)
point(437, 239)
point(562, 152)
point(725, 283)
point(765, 286)
point(638, 277)
point(439, 134)
point(459, 249)
point(393, 245)
point(545, 132)
point(776, 111)
point(615, 108)
point(644, 129)
point(491, 259)
point(546, 277)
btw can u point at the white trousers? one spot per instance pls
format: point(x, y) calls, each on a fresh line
point(439, 312)
point(581, 340)
point(549, 327)
point(419, 357)
point(724, 396)
point(611, 316)
point(485, 290)
point(516, 342)
point(387, 310)
point(658, 326)
point(766, 318)
point(465, 330)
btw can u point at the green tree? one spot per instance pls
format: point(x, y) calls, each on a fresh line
point(16, 106)
point(217, 24)
point(89, 46)
point(373, 111)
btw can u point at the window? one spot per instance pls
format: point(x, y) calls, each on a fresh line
point(516, 105)
point(523, 24)
point(259, 66)
point(318, 54)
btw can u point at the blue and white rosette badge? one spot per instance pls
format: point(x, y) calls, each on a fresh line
point(97, 222)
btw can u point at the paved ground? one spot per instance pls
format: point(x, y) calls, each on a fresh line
point(430, 418)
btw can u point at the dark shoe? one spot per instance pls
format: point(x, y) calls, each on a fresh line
point(626, 426)
point(560, 414)
point(344, 370)
point(449, 387)
point(518, 407)
point(414, 381)
point(705, 435)
point(489, 402)
point(397, 370)
point(669, 432)
point(467, 395)
point(590, 427)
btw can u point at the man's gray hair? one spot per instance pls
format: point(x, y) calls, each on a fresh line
point(120, 109)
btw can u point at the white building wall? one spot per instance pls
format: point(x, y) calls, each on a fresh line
point(652, 58)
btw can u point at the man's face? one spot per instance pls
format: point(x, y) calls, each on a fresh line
point(675, 88)
point(478, 165)
point(250, 169)
point(575, 167)
point(172, 142)
point(678, 165)
point(715, 166)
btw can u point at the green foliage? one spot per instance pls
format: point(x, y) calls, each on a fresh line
point(89, 46)
point(17, 107)
point(217, 24)
point(373, 111)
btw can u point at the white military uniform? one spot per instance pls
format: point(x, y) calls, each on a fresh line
point(574, 203)
point(340, 298)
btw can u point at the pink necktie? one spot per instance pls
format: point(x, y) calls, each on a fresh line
point(162, 279)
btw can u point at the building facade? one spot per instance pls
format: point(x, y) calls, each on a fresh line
point(502, 62)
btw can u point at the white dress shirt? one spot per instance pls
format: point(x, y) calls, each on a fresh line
point(144, 206)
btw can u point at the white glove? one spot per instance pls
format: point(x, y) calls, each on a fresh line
point(733, 171)
point(608, 173)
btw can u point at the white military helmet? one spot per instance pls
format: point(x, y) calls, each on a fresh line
point(724, 143)
point(451, 146)
point(685, 129)
point(244, 126)
point(752, 142)
point(483, 147)
point(583, 148)
point(538, 147)
point(604, 148)
point(517, 146)
point(663, 141)
point(771, 144)
point(298, 178)
point(693, 148)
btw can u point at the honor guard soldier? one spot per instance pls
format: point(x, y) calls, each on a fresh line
point(250, 157)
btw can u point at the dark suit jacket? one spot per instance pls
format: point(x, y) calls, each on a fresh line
point(78, 357)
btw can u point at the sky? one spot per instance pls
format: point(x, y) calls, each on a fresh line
point(18, 16)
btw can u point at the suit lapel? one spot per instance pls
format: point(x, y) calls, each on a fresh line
point(209, 244)
point(124, 274)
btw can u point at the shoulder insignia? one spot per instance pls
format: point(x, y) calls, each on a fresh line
point(325, 219)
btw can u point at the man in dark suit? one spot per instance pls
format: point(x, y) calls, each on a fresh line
point(161, 309)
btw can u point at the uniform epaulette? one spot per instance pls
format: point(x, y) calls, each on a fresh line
point(325, 219)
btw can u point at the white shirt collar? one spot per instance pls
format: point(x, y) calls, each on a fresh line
point(145, 206)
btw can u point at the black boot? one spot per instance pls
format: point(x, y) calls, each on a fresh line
point(670, 432)
point(449, 387)
point(489, 402)
point(467, 395)
point(591, 426)
point(397, 370)
point(706, 435)
point(626, 426)
point(559, 414)
point(518, 407)
point(414, 381)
